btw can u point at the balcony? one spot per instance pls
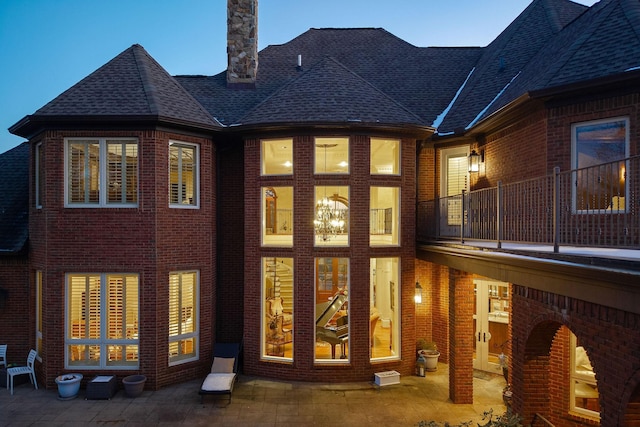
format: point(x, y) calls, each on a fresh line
point(571, 212)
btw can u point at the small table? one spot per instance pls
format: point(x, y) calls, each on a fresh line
point(102, 387)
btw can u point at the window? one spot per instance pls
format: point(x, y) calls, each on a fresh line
point(599, 150)
point(277, 325)
point(332, 310)
point(183, 317)
point(101, 172)
point(276, 157)
point(183, 175)
point(102, 321)
point(384, 216)
point(39, 167)
point(384, 308)
point(331, 222)
point(277, 216)
point(385, 156)
point(584, 388)
point(39, 313)
point(453, 179)
point(331, 156)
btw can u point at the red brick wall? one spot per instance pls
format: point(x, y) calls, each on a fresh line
point(538, 371)
point(17, 318)
point(150, 240)
point(461, 309)
point(359, 253)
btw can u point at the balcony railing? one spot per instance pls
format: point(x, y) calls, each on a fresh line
point(595, 206)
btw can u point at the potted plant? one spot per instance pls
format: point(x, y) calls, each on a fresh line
point(68, 386)
point(428, 350)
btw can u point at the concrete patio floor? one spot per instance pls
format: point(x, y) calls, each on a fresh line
point(261, 402)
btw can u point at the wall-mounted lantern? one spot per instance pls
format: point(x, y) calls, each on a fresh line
point(418, 295)
point(474, 161)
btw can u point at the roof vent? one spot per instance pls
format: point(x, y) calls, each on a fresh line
point(299, 66)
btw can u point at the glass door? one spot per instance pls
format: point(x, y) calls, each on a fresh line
point(491, 324)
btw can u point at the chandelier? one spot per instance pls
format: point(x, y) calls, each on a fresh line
point(329, 219)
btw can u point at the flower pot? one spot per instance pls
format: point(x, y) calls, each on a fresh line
point(134, 385)
point(68, 386)
point(432, 359)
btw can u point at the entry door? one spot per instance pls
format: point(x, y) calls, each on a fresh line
point(453, 180)
point(491, 324)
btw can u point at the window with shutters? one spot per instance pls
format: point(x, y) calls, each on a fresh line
point(183, 175)
point(183, 317)
point(101, 172)
point(102, 321)
point(453, 181)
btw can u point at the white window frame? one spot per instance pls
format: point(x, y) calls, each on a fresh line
point(102, 174)
point(574, 162)
point(177, 360)
point(39, 340)
point(38, 172)
point(276, 157)
point(103, 342)
point(573, 377)
point(195, 204)
point(394, 169)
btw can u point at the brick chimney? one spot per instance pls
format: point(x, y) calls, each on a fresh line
point(242, 43)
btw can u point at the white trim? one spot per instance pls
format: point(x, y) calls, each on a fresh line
point(196, 319)
point(196, 175)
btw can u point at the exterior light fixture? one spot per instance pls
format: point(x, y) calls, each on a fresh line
point(474, 161)
point(418, 296)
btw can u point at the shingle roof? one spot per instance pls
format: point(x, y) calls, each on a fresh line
point(14, 203)
point(133, 85)
point(501, 61)
point(418, 80)
point(329, 92)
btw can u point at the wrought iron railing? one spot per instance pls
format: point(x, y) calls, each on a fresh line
point(594, 206)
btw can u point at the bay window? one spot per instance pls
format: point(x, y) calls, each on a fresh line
point(384, 308)
point(277, 324)
point(101, 172)
point(183, 317)
point(183, 175)
point(277, 216)
point(332, 310)
point(102, 321)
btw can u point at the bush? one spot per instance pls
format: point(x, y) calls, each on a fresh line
point(508, 419)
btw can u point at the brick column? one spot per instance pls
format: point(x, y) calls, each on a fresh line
point(461, 337)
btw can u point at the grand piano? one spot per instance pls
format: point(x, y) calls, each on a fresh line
point(333, 332)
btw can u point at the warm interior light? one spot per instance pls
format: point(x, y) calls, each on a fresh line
point(474, 161)
point(418, 295)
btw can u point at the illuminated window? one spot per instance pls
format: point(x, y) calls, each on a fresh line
point(183, 317)
point(584, 388)
point(384, 216)
point(277, 325)
point(183, 175)
point(102, 321)
point(277, 216)
point(101, 172)
point(276, 157)
point(331, 156)
point(332, 310)
point(384, 308)
point(331, 221)
point(385, 156)
point(599, 150)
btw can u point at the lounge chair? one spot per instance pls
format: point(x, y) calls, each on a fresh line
point(224, 371)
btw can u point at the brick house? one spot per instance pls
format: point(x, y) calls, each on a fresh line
point(302, 200)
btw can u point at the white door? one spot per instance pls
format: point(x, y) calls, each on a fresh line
point(453, 180)
point(491, 324)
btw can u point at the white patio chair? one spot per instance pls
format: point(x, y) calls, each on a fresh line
point(23, 370)
point(3, 355)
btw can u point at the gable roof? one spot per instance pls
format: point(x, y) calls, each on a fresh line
point(14, 203)
point(132, 86)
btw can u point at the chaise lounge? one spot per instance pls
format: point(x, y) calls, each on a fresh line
point(224, 371)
